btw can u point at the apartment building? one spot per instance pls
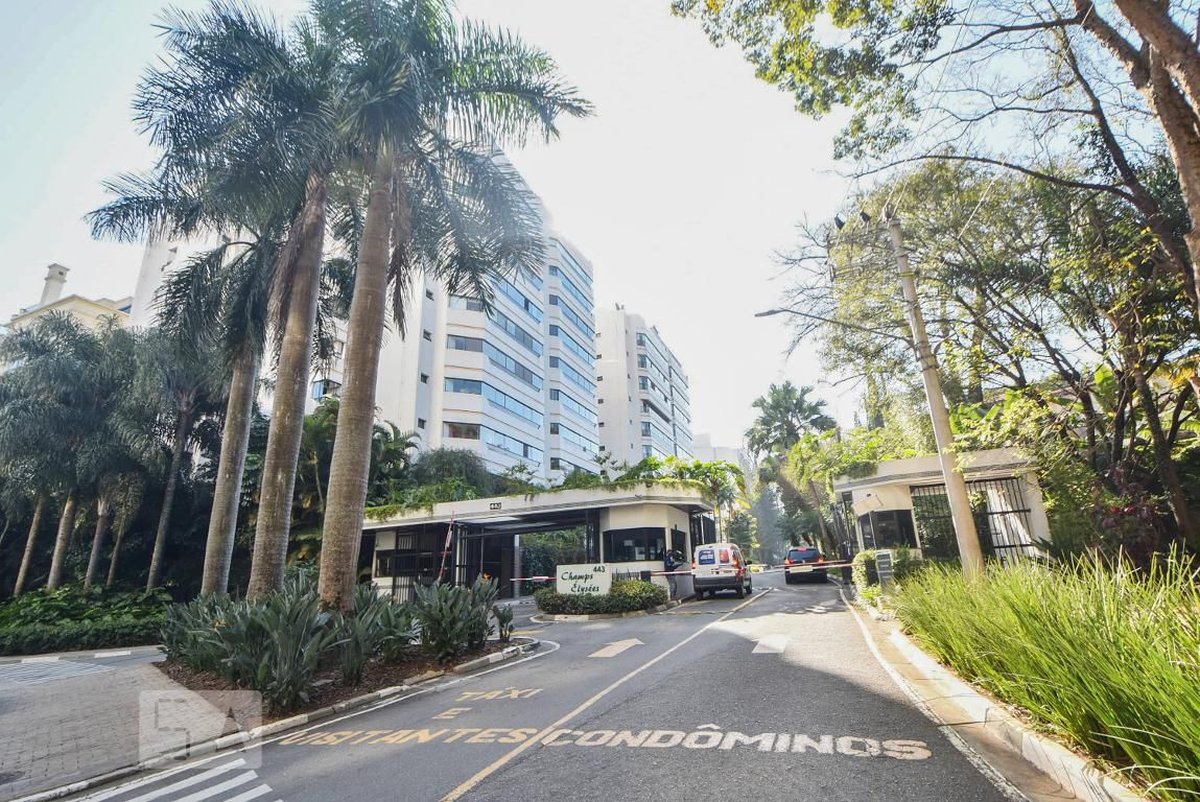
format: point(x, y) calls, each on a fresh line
point(516, 385)
point(645, 407)
point(91, 312)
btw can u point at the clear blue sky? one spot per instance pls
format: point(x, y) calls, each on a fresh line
point(681, 190)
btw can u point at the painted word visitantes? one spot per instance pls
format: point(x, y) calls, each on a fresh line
point(590, 578)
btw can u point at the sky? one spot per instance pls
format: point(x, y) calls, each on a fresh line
point(681, 190)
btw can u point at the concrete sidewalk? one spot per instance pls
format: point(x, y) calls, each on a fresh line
point(63, 720)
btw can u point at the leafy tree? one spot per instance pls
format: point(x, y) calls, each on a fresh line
point(742, 529)
point(435, 97)
point(785, 414)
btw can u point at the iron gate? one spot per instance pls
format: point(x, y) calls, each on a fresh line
point(1001, 513)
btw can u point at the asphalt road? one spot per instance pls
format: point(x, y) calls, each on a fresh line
point(773, 697)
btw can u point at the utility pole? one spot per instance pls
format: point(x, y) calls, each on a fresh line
point(956, 488)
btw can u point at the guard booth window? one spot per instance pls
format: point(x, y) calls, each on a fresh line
point(634, 545)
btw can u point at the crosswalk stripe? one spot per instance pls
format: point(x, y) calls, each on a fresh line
point(182, 784)
point(219, 788)
point(253, 793)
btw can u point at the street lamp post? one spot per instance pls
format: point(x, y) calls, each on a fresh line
point(956, 488)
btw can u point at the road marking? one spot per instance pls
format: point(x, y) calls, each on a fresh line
point(453, 712)
point(711, 737)
point(47, 659)
point(771, 644)
point(615, 648)
point(124, 653)
point(501, 762)
point(37, 672)
point(977, 760)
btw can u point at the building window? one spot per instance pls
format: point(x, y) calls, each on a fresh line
point(462, 431)
point(572, 375)
point(324, 387)
point(599, 400)
point(462, 302)
point(420, 423)
point(645, 428)
point(459, 343)
point(424, 378)
point(555, 464)
point(644, 544)
point(429, 294)
point(427, 334)
point(339, 348)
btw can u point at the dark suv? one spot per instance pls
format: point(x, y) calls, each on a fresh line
point(804, 562)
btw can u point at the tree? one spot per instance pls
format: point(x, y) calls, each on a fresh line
point(57, 407)
point(923, 79)
point(181, 379)
point(742, 529)
point(245, 114)
point(436, 98)
point(785, 414)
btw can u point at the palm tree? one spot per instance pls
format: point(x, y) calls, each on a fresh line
point(785, 414)
point(243, 113)
point(433, 99)
point(56, 405)
point(183, 381)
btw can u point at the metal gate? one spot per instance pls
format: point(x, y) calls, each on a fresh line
point(1001, 513)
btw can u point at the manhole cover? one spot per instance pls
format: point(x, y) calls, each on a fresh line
point(7, 777)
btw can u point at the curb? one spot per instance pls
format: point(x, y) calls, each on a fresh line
point(1067, 768)
point(549, 617)
point(276, 727)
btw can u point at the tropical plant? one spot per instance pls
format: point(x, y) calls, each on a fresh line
point(435, 98)
point(785, 414)
point(481, 600)
point(443, 613)
point(504, 622)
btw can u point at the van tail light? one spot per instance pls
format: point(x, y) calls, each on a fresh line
point(821, 559)
point(693, 565)
point(787, 560)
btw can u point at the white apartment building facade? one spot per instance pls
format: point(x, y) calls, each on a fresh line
point(517, 385)
point(645, 406)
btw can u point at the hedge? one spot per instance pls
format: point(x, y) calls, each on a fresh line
point(75, 635)
point(625, 597)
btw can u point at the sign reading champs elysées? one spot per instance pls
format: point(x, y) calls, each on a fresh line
point(588, 578)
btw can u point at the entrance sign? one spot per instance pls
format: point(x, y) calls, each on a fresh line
point(885, 568)
point(587, 578)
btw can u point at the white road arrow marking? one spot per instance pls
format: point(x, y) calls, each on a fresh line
point(613, 649)
point(772, 644)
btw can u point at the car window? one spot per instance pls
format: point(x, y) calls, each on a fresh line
point(795, 555)
point(724, 556)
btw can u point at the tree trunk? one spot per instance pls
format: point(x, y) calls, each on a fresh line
point(350, 465)
point(116, 552)
point(66, 524)
point(1175, 45)
point(287, 409)
point(97, 541)
point(1167, 472)
point(235, 438)
point(164, 516)
point(39, 508)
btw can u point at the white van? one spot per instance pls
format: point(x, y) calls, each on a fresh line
point(720, 566)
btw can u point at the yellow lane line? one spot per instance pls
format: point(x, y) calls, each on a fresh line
point(498, 764)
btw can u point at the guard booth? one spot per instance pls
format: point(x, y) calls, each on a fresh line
point(629, 528)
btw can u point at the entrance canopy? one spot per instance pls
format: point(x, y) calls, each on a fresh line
point(460, 540)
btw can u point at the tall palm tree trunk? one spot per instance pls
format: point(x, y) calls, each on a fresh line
point(235, 439)
point(39, 508)
point(287, 409)
point(164, 516)
point(97, 540)
point(66, 525)
point(351, 460)
point(122, 528)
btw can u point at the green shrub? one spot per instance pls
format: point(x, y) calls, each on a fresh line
point(397, 630)
point(504, 622)
point(1104, 655)
point(624, 597)
point(481, 599)
point(360, 633)
point(75, 635)
point(273, 644)
point(68, 619)
point(905, 563)
point(444, 613)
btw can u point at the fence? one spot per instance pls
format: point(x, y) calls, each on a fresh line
point(1002, 519)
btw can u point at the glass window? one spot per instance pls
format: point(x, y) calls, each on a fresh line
point(570, 287)
point(461, 431)
point(459, 343)
point(420, 423)
point(512, 445)
point(573, 345)
point(574, 266)
point(495, 397)
point(645, 544)
point(427, 335)
point(571, 315)
point(514, 331)
point(512, 366)
point(424, 378)
point(462, 302)
point(569, 403)
point(572, 375)
point(505, 287)
point(572, 436)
